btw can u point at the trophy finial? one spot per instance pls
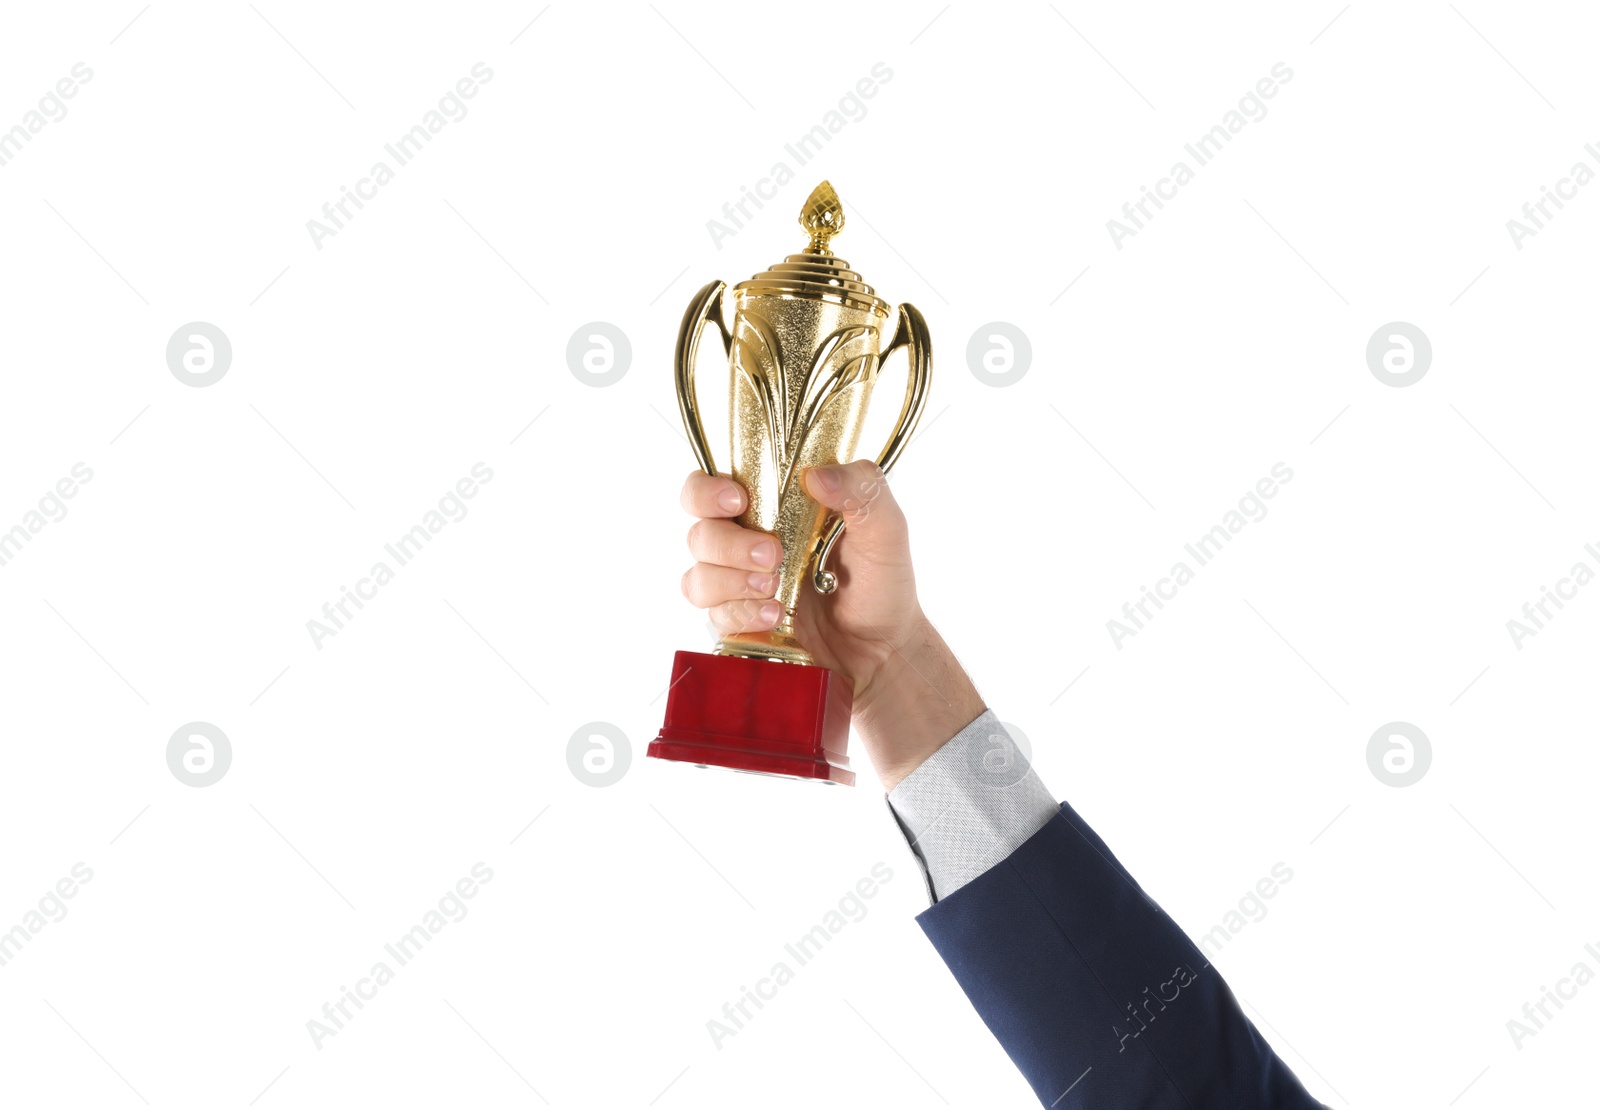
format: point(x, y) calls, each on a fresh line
point(822, 217)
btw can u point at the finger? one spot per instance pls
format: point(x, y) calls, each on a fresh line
point(860, 494)
point(709, 496)
point(725, 544)
point(706, 585)
point(745, 616)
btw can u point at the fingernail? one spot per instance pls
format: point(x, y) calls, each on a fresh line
point(764, 554)
point(828, 479)
point(731, 500)
point(770, 612)
point(762, 583)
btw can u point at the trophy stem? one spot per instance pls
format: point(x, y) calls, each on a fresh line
point(778, 645)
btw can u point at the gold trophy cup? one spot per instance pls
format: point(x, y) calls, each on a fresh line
point(807, 342)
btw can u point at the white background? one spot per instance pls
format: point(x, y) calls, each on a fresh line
point(371, 773)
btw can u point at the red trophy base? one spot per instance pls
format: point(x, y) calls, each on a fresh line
point(757, 715)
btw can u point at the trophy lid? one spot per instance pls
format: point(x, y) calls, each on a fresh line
point(816, 273)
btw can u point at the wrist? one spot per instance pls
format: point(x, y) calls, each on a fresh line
point(915, 701)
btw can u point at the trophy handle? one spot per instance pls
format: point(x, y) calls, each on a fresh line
point(706, 308)
point(911, 332)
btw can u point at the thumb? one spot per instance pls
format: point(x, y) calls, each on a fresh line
point(860, 494)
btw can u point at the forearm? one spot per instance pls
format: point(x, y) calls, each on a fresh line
point(917, 699)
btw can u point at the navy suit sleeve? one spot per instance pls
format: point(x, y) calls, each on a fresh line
point(1094, 992)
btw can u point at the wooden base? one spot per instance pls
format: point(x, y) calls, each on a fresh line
point(757, 715)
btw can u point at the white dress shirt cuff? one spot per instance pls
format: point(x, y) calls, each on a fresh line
point(970, 805)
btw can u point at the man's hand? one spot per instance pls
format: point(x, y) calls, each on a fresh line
point(910, 693)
